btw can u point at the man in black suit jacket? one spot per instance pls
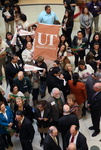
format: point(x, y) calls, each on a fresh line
point(67, 121)
point(76, 137)
point(13, 68)
point(94, 105)
point(79, 40)
point(25, 130)
point(51, 141)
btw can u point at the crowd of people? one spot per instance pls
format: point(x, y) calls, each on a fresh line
point(73, 88)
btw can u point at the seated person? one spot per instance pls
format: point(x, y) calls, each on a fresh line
point(96, 52)
point(79, 40)
point(96, 38)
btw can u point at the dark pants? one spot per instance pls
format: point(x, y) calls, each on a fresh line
point(77, 57)
point(35, 94)
point(2, 143)
point(68, 36)
point(6, 138)
point(26, 145)
point(43, 88)
point(84, 34)
point(95, 115)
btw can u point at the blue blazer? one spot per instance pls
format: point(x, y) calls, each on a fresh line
point(4, 122)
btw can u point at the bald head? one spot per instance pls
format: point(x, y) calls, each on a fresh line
point(66, 109)
point(20, 75)
point(97, 87)
point(71, 146)
point(73, 130)
point(53, 131)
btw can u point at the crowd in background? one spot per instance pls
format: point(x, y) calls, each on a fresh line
point(73, 88)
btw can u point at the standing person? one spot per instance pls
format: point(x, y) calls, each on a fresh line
point(47, 16)
point(43, 74)
point(25, 130)
point(70, 5)
point(25, 24)
point(3, 46)
point(9, 20)
point(72, 146)
point(76, 137)
point(67, 26)
point(17, 13)
point(94, 105)
point(13, 68)
point(96, 38)
point(55, 104)
point(24, 85)
point(51, 141)
point(62, 40)
point(79, 40)
point(43, 116)
point(86, 22)
point(78, 89)
point(66, 121)
point(6, 120)
point(94, 7)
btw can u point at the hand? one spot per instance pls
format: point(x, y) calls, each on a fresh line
point(3, 92)
point(16, 134)
point(61, 76)
point(39, 118)
point(87, 27)
point(45, 119)
point(67, 148)
point(80, 49)
point(10, 124)
point(44, 70)
point(8, 100)
point(8, 128)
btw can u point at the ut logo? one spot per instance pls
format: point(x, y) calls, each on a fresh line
point(51, 39)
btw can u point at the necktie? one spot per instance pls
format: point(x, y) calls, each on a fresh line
point(54, 138)
point(72, 139)
point(20, 125)
point(16, 66)
point(93, 95)
point(60, 106)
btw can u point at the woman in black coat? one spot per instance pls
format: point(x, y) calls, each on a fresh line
point(27, 109)
point(67, 26)
point(42, 115)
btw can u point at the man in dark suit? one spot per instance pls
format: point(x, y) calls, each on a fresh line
point(25, 130)
point(79, 40)
point(76, 137)
point(55, 103)
point(51, 141)
point(67, 121)
point(13, 68)
point(94, 105)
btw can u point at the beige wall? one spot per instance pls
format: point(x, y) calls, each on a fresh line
point(40, 2)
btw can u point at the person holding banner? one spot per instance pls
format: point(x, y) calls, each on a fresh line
point(6, 122)
point(3, 46)
point(47, 16)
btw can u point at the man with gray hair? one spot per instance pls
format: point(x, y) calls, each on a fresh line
point(94, 105)
point(51, 141)
point(55, 103)
point(92, 79)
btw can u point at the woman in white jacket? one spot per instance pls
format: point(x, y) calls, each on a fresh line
point(27, 54)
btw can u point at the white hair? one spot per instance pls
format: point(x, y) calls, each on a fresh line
point(53, 90)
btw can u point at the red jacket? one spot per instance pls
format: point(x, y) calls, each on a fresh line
point(78, 90)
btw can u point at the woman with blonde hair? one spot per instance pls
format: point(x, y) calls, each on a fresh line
point(68, 72)
point(21, 105)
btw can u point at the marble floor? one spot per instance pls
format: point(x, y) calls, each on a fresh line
point(32, 12)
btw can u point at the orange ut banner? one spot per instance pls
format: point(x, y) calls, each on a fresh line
point(46, 41)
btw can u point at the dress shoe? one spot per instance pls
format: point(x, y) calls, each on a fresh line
point(41, 143)
point(95, 134)
point(11, 144)
point(6, 146)
point(91, 128)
